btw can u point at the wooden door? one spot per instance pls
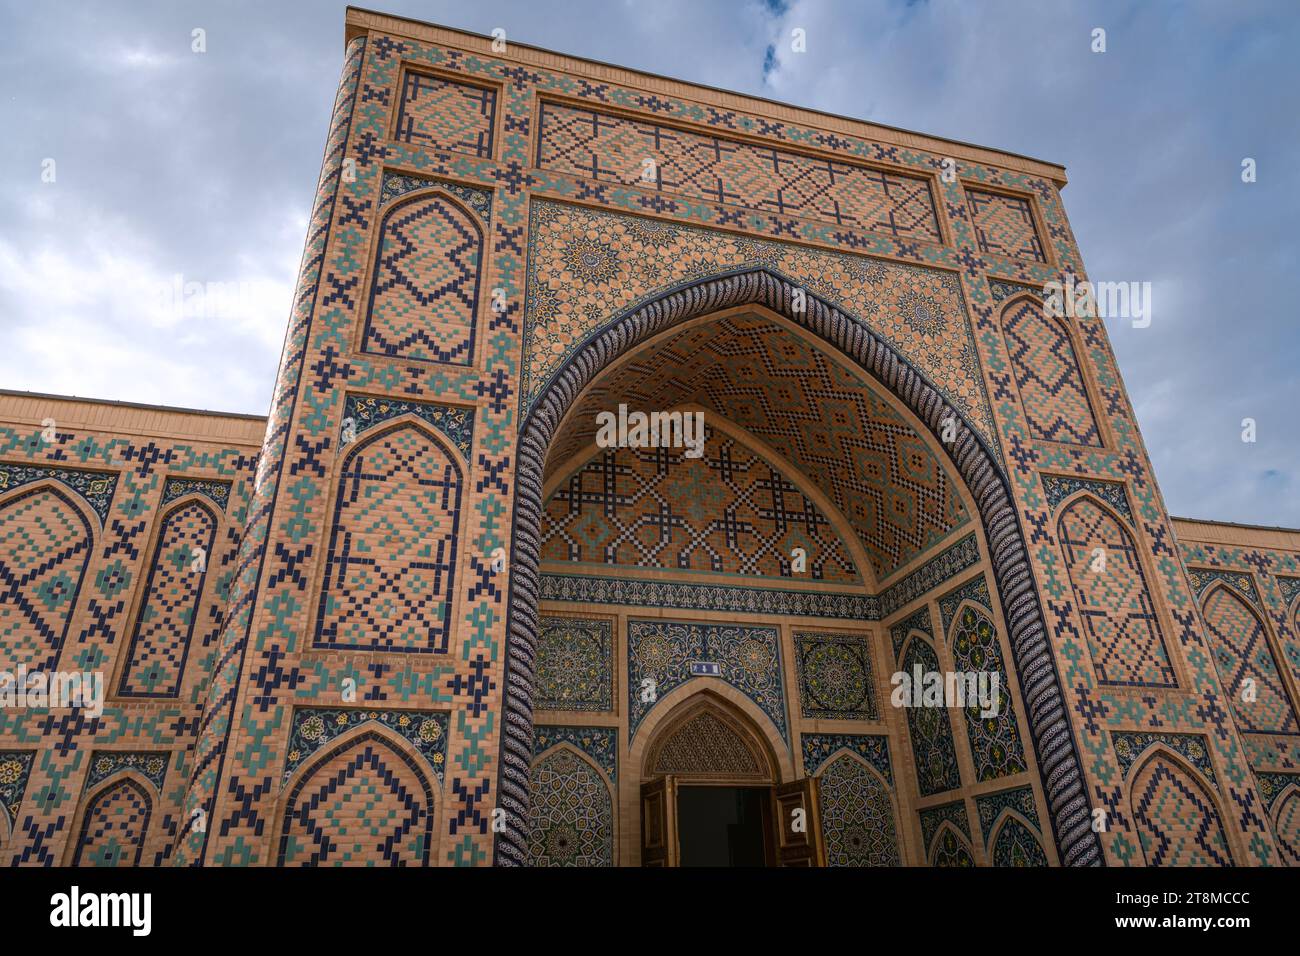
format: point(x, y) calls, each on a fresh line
point(796, 815)
point(659, 845)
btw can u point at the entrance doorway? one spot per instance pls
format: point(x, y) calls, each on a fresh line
point(712, 795)
point(724, 826)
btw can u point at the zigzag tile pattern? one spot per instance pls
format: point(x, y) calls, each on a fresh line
point(390, 567)
point(446, 115)
point(1177, 823)
point(1119, 616)
point(425, 292)
point(727, 511)
point(363, 804)
point(114, 827)
point(1004, 225)
point(837, 430)
point(1056, 403)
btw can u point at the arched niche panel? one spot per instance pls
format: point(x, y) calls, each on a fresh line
point(1246, 664)
point(1120, 624)
point(1286, 826)
point(169, 607)
point(45, 548)
point(571, 816)
point(1014, 844)
point(390, 564)
point(1052, 392)
point(1177, 821)
point(364, 802)
point(426, 282)
point(857, 813)
point(950, 849)
point(933, 750)
point(994, 735)
point(114, 825)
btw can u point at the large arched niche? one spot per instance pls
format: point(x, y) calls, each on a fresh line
point(967, 454)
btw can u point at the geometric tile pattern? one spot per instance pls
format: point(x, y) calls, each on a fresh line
point(1055, 400)
point(662, 652)
point(575, 664)
point(1004, 225)
point(586, 266)
point(570, 813)
point(726, 511)
point(160, 644)
point(389, 569)
point(840, 433)
point(1177, 822)
point(314, 727)
point(990, 807)
point(443, 114)
point(1242, 652)
point(857, 815)
point(637, 153)
point(363, 803)
point(835, 676)
point(114, 826)
point(1120, 623)
point(929, 728)
point(45, 545)
point(425, 292)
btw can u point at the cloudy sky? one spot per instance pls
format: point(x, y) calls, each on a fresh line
point(170, 166)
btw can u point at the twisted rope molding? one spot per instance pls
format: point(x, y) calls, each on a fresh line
point(1058, 758)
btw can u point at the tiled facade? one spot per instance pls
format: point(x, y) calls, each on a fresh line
point(416, 617)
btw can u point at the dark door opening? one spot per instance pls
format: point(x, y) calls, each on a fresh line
point(723, 826)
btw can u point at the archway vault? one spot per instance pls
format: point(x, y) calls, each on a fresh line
point(969, 458)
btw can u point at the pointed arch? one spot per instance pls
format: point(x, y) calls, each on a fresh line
point(169, 604)
point(995, 747)
point(1049, 377)
point(46, 543)
point(114, 822)
point(705, 736)
point(975, 462)
point(1177, 818)
point(1242, 652)
point(1286, 825)
point(365, 801)
point(1014, 842)
point(1105, 567)
point(950, 848)
point(859, 813)
point(934, 751)
point(571, 816)
point(388, 580)
point(426, 280)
